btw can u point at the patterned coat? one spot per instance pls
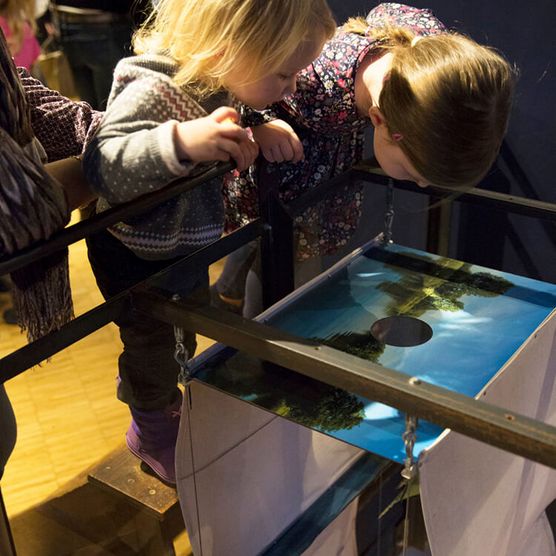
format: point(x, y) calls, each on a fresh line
point(133, 154)
point(63, 127)
point(324, 115)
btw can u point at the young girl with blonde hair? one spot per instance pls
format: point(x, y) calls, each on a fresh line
point(17, 21)
point(439, 103)
point(167, 117)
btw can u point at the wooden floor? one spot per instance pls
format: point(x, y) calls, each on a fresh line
point(68, 420)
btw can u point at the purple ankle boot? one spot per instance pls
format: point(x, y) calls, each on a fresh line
point(152, 438)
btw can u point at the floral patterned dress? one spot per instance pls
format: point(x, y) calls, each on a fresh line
point(324, 115)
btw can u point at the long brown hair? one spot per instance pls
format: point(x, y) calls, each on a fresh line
point(448, 97)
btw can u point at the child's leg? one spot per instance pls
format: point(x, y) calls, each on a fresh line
point(148, 376)
point(253, 295)
point(148, 372)
point(253, 304)
point(230, 286)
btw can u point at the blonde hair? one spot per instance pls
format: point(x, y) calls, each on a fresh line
point(448, 98)
point(210, 38)
point(17, 14)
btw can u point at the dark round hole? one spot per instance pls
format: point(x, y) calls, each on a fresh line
point(401, 331)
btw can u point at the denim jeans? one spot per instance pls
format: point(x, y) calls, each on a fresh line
point(93, 50)
point(148, 371)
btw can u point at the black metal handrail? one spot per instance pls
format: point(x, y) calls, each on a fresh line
point(368, 171)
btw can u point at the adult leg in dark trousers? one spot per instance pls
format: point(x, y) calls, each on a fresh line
point(93, 50)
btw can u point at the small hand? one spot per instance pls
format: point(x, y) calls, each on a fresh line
point(278, 142)
point(216, 137)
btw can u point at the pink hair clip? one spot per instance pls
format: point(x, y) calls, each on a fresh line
point(397, 136)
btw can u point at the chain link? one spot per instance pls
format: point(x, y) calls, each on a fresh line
point(181, 354)
point(389, 213)
point(409, 472)
point(409, 436)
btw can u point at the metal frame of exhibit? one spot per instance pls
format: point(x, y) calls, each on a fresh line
point(515, 433)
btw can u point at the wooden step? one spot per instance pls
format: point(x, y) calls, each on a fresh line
point(121, 474)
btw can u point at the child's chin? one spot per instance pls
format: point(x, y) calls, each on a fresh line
point(260, 105)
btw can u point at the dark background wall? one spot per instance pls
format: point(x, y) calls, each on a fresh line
point(526, 34)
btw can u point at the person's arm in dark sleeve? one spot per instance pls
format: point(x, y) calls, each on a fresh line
point(63, 126)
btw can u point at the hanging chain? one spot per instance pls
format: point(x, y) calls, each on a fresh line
point(410, 471)
point(181, 354)
point(389, 214)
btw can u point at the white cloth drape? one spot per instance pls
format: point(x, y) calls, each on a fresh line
point(255, 473)
point(480, 500)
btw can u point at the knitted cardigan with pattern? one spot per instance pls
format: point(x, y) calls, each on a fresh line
point(133, 154)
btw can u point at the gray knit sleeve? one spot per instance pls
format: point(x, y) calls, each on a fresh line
point(133, 152)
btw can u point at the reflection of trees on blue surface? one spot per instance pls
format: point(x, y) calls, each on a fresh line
point(439, 288)
point(333, 410)
point(463, 304)
point(363, 345)
point(424, 284)
point(306, 401)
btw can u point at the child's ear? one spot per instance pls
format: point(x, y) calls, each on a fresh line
point(377, 118)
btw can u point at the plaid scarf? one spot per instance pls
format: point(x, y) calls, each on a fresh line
point(32, 207)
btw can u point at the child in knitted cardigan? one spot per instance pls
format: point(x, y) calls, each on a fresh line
point(167, 118)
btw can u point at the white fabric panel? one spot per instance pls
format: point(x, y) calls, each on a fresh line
point(540, 540)
point(339, 538)
point(481, 500)
point(255, 473)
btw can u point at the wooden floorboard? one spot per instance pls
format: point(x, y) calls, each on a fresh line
point(68, 421)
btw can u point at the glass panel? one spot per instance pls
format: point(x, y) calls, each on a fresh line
point(478, 318)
